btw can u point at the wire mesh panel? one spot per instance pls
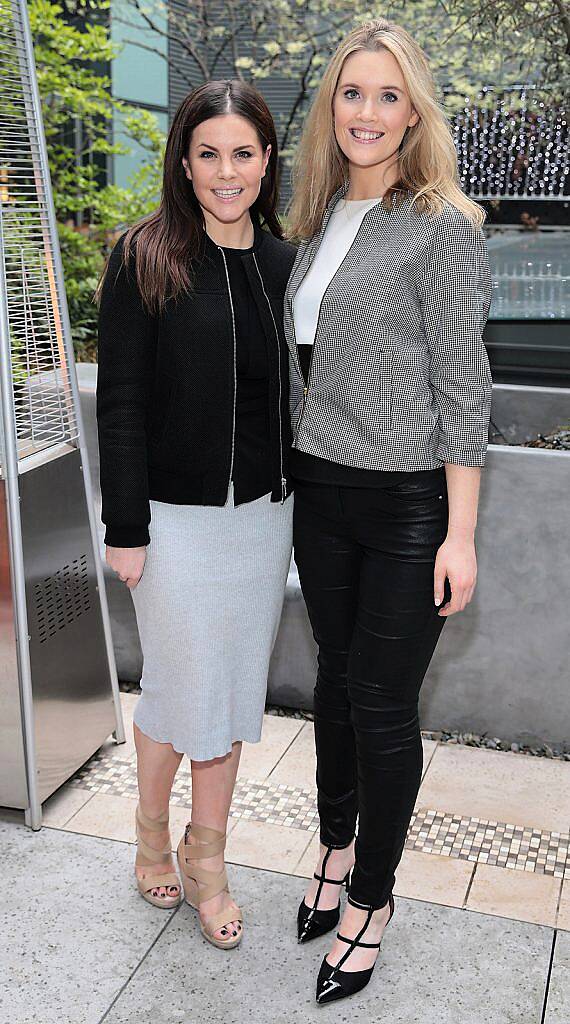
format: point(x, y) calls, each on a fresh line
point(42, 400)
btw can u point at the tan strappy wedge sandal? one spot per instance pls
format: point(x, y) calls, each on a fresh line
point(147, 856)
point(201, 885)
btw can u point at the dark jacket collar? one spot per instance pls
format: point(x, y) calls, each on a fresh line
point(259, 234)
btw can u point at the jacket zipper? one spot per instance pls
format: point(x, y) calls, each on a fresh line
point(235, 367)
point(308, 384)
point(283, 480)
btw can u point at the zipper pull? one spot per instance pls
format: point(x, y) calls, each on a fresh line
point(283, 489)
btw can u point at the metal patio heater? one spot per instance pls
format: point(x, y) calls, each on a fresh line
point(58, 683)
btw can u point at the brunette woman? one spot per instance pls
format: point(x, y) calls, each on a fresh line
point(390, 399)
point(194, 436)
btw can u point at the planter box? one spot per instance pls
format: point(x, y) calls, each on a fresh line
point(502, 666)
point(126, 644)
point(520, 413)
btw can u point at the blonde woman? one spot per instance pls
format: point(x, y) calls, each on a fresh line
point(390, 400)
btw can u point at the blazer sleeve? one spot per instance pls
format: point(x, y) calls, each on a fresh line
point(126, 355)
point(455, 295)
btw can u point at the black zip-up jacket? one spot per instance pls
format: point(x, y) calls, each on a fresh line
point(166, 387)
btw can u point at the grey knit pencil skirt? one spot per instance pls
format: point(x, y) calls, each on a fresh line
point(208, 607)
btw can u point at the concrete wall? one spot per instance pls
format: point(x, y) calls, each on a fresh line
point(502, 666)
point(520, 413)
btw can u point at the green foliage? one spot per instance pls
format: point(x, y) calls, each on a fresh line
point(72, 50)
point(18, 355)
point(83, 262)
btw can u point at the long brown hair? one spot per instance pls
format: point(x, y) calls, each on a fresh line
point(427, 158)
point(168, 241)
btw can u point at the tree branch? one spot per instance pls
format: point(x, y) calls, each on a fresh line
point(565, 19)
point(300, 99)
point(184, 43)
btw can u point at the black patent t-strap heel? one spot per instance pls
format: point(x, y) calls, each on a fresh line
point(312, 922)
point(334, 983)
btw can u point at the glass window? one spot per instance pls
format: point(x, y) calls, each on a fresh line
point(139, 75)
point(126, 165)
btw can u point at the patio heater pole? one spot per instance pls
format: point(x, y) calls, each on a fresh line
point(9, 465)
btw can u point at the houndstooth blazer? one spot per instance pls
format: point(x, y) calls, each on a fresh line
point(400, 377)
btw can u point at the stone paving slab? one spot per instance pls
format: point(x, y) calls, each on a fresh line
point(499, 785)
point(72, 923)
point(437, 965)
point(558, 1004)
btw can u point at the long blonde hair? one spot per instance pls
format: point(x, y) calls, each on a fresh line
point(427, 159)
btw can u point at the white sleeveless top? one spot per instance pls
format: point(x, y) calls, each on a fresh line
point(339, 235)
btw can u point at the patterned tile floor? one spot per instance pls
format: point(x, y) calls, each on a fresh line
point(431, 831)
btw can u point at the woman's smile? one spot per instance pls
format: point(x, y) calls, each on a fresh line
point(227, 195)
point(365, 136)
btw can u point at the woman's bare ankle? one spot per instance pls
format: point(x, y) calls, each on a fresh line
point(345, 855)
point(337, 867)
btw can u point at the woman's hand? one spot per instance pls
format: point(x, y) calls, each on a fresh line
point(455, 559)
point(128, 563)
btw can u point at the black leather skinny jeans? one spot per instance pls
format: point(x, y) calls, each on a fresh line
point(366, 566)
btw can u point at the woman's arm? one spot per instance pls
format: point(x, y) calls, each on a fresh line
point(455, 294)
point(455, 290)
point(456, 557)
point(126, 356)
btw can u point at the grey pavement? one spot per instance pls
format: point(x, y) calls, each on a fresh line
point(558, 1004)
point(84, 948)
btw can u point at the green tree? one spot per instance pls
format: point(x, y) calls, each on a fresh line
point(72, 52)
point(470, 43)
